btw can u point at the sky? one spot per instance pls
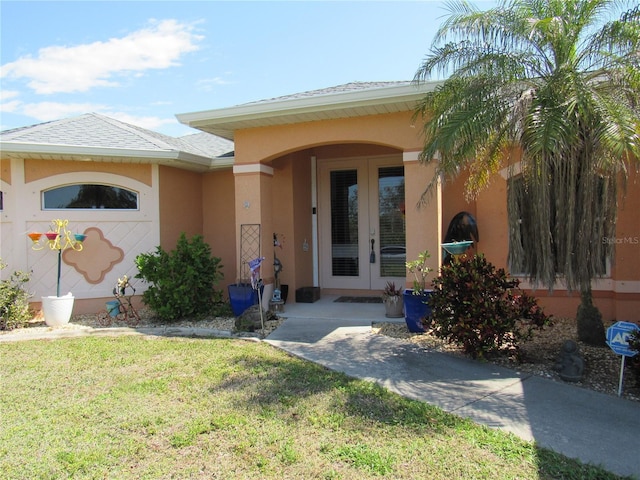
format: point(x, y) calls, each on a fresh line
point(143, 62)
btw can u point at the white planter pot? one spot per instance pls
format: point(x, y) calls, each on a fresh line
point(57, 310)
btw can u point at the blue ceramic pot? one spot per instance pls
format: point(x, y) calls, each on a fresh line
point(415, 309)
point(241, 297)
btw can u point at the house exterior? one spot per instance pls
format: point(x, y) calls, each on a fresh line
point(333, 174)
point(37, 163)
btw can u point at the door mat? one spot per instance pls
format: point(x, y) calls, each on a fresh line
point(358, 300)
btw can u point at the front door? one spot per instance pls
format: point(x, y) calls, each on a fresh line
point(362, 226)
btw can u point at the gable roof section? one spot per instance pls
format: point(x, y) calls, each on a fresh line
point(343, 101)
point(95, 137)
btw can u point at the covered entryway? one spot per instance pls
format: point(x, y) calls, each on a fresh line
point(362, 230)
point(359, 146)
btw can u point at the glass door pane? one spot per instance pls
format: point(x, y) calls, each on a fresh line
point(345, 260)
point(391, 221)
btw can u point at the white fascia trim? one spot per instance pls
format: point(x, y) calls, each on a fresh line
point(410, 156)
point(253, 168)
point(88, 152)
point(222, 163)
point(316, 103)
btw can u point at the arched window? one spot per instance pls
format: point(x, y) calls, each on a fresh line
point(89, 196)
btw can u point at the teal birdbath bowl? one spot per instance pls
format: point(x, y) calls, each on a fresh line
point(456, 248)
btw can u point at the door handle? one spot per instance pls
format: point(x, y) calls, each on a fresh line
point(372, 255)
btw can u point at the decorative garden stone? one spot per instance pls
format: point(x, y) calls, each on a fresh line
point(570, 365)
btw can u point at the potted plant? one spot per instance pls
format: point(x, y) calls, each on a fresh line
point(393, 303)
point(415, 299)
point(57, 310)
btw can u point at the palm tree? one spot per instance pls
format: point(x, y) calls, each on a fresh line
point(551, 89)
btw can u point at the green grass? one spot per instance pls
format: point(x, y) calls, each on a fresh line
point(151, 408)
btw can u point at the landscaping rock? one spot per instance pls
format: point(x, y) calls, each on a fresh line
point(250, 320)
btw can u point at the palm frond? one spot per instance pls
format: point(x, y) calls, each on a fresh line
point(555, 79)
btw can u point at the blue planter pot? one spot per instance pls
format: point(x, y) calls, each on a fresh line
point(415, 309)
point(241, 297)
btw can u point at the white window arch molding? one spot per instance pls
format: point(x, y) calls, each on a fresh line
point(147, 198)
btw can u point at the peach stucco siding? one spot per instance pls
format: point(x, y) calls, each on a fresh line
point(627, 262)
point(616, 295)
point(180, 195)
point(264, 144)
point(5, 171)
point(218, 198)
point(292, 217)
point(36, 169)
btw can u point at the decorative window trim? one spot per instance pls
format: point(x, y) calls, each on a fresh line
point(116, 190)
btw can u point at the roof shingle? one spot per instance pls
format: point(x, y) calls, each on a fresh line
point(94, 130)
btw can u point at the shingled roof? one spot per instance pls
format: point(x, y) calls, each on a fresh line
point(338, 89)
point(100, 138)
point(212, 145)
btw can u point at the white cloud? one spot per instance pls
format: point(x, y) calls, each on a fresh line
point(207, 84)
point(82, 67)
point(10, 107)
point(8, 94)
point(148, 122)
point(47, 111)
point(9, 101)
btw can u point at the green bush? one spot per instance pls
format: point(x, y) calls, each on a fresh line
point(482, 309)
point(182, 282)
point(14, 300)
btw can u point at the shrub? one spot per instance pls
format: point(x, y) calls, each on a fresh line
point(182, 282)
point(482, 309)
point(14, 300)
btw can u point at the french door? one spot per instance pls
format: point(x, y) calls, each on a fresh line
point(362, 224)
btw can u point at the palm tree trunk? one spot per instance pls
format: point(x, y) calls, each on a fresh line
point(589, 320)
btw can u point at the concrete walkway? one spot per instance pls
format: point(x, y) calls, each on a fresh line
point(593, 427)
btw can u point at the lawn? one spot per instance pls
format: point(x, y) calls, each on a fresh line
point(156, 408)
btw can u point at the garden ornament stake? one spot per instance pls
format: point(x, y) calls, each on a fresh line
point(256, 283)
point(58, 238)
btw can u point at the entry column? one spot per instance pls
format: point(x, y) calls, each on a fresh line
point(253, 198)
point(423, 220)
